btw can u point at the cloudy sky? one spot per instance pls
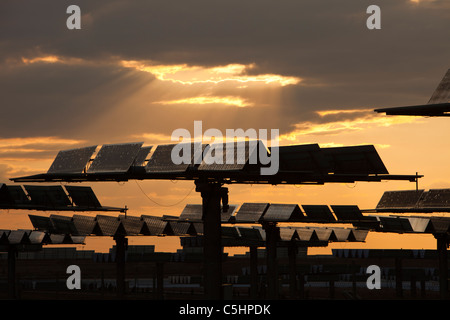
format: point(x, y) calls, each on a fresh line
point(137, 70)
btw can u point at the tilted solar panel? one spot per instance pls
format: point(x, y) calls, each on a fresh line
point(283, 212)
point(115, 158)
point(308, 158)
point(435, 198)
point(318, 213)
point(231, 155)
point(251, 212)
point(142, 156)
point(51, 196)
point(400, 199)
point(442, 92)
point(72, 160)
point(83, 196)
point(347, 212)
point(355, 160)
point(175, 157)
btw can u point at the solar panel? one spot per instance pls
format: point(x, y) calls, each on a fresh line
point(283, 212)
point(318, 213)
point(63, 224)
point(109, 226)
point(132, 224)
point(230, 156)
point(115, 158)
point(347, 212)
point(83, 196)
point(288, 234)
point(308, 158)
point(323, 234)
point(341, 234)
point(192, 212)
point(18, 237)
point(142, 156)
point(400, 199)
point(41, 223)
point(251, 212)
point(442, 92)
point(18, 194)
point(437, 198)
point(306, 234)
point(354, 160)
point(395, 224)
point(72, 160)
point(5, 197)
point(162, 160)
point(155, 226)
point(85, 225)
point(38, 237)
point(251, 234)
point(51, 196)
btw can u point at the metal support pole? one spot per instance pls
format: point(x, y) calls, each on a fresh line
point(12, 253)
point(398, 277)
point(253, 272)
point(212, 246)
point(121, 243)
point(442, 245)
point(292, 253)
point(272, 236)
point(160, 280)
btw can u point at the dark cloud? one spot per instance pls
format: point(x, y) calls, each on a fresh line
point(326, 43)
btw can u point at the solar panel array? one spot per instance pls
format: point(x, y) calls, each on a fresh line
point(55, 197)
point(415, 201)
point(78, 227)
point(34, 237)
point(237, 162)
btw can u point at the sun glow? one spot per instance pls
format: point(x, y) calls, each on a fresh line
point(189, 75)
point(228, 100)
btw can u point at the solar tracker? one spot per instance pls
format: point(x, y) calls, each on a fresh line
point(307, 158)
point(83, 196)
point(347, 212)
point(72, 160)
point(251, 212)
point(354, 160)
point(318, 213)
point(51, 196)
point(230, 156)
point(283, 213)
point(115, 158)
point(400, 199)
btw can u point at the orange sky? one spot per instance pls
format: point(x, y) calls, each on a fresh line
point(136, 71)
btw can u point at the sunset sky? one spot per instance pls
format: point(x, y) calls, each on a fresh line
point(137, 70)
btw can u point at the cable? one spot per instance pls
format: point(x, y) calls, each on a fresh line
point(160, 204)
